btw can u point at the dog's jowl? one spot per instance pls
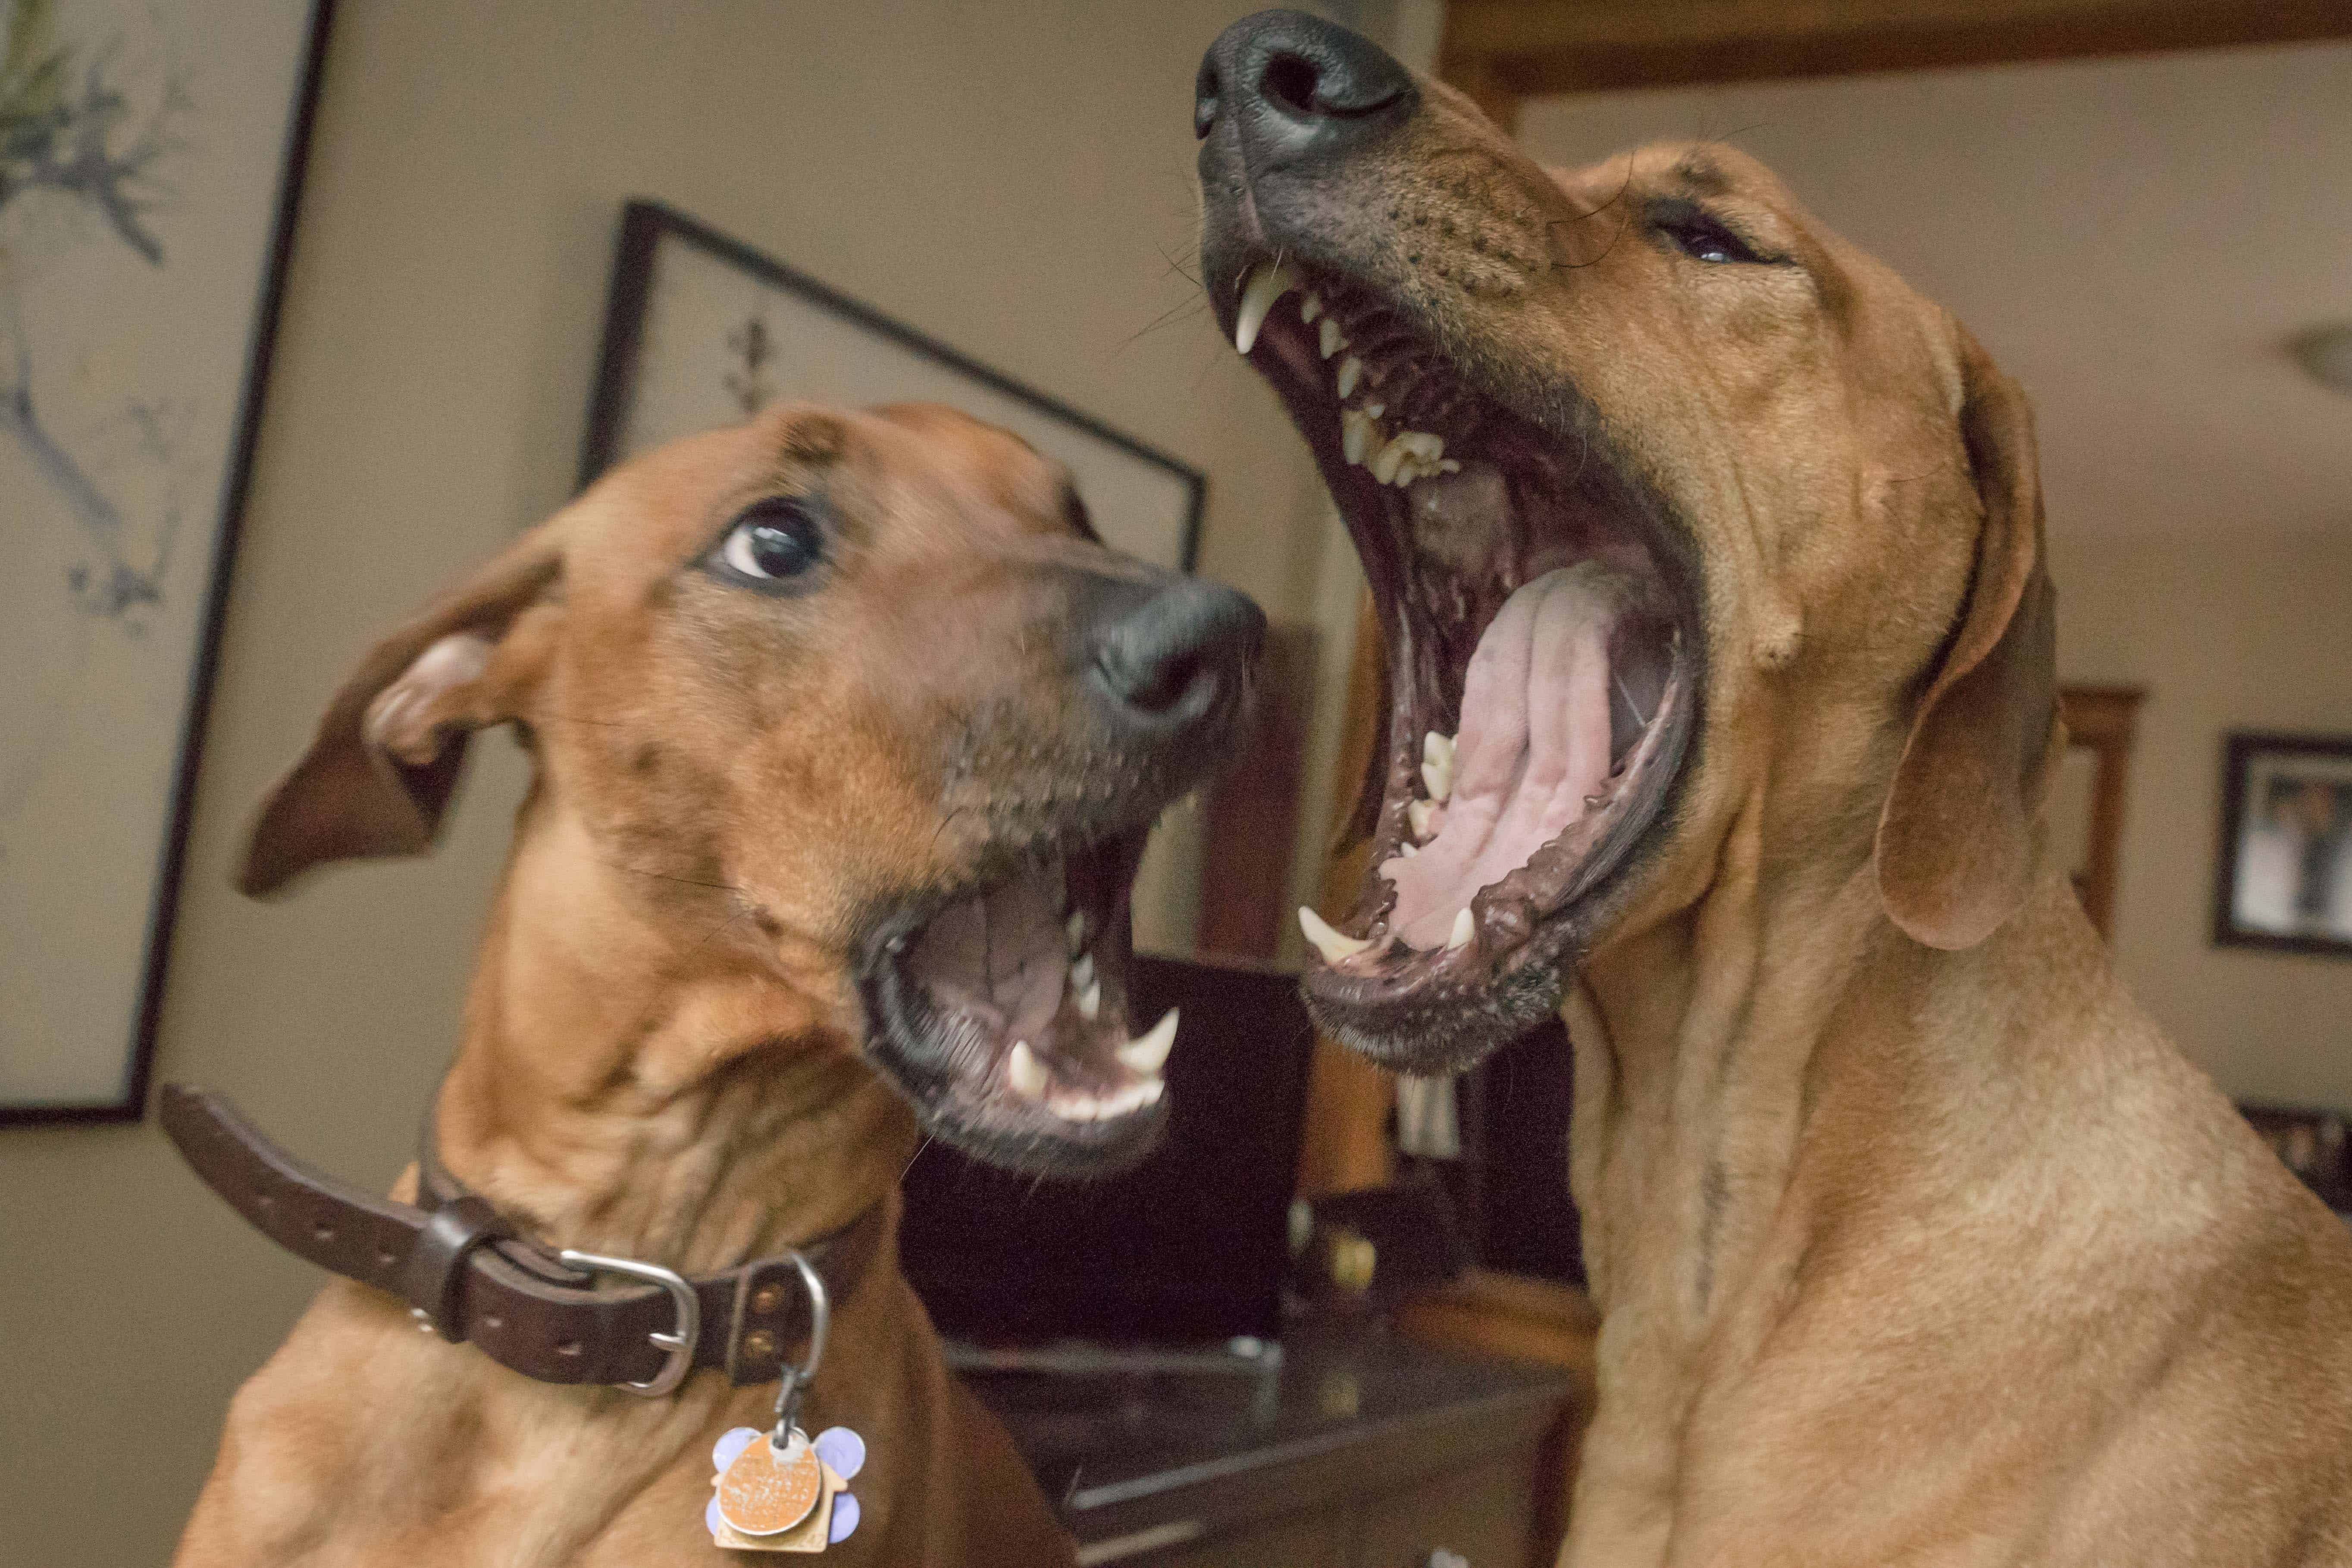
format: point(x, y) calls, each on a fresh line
point(845, 733)
point(1708, 559)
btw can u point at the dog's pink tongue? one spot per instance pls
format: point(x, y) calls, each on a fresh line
point(1001, 953)
point(1534, 744)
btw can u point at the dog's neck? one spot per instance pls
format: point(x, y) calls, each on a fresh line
point(1692, 1040)
point(629, 1081)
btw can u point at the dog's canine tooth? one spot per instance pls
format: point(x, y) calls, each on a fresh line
point(1330, 339)
point(1147, 1053)
point(1356, 433)
point(1385, 462)
point(1408, 849)
point(1463, 926)
point(1027, 1074)
point(1351, 370)
point(1310, 307)
point(1267, 283)
point(1081, 971)
point(1418, 815)
point(1332, 944)
point(1438, 747)
point(1090, 1000)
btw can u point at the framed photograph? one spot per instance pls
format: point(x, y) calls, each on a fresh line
point(149, 151)
point(2286, 844)
point(704, 331)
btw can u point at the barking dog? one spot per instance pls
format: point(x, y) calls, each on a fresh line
point(847, 734)
point(1709, 561)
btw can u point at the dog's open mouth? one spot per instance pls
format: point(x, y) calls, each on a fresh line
point(1543, 644)
point(1003, 1013)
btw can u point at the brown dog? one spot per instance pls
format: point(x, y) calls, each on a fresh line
point(846, 733)
point(1709, 558)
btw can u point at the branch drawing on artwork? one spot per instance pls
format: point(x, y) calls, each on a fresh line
point(69, 134)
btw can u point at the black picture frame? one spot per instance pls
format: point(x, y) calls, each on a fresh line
point(2245, 753)
point(236, 479)
point(645, 223)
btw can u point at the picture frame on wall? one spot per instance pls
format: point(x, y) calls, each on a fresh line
point(702, 330)
point(2286, 880)
point(148, 190)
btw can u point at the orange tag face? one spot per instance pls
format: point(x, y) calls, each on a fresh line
point(764, 1492)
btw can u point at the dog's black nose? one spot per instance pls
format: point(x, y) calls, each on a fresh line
point(1172, 653)
point(1296, 87)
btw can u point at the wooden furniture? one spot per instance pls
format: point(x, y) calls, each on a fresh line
point(1501, 52)
point(2100, 719)
point(1365, 1450)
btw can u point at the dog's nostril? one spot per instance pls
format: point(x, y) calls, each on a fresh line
point(1160, 686)
point(1205, 101)
point(1291, 81)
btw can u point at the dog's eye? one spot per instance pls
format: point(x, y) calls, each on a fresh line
point(1701, 238)
point(774, 541)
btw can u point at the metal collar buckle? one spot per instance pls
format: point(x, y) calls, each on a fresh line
point(686, 1330)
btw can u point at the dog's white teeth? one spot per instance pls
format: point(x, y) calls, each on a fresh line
point(1463, 926)
point(1026, 1073)
point(1385, 462)
point(1310, 307)
point(1419, 815)
point(1376, 409)
point(1408, 849)
point(1082, 971)
point(1448, 466)
point(1437, 766)
point(1090, 1000)
point(1149, 1092)
point(1330, 338)
point(1147, 1053)
point(1421, 454)
point(1356, 433)
point(1351, 371)
point(1269, 282)
point(1075, 929)
point(1332, 944)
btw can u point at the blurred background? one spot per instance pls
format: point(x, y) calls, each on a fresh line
point(2143, 209)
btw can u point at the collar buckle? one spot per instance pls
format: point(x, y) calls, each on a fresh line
point(684, 1333)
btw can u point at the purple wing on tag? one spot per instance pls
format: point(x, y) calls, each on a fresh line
point(841, 1448)
point(724, 1452)
point(844, 1516)
point(710, 1519)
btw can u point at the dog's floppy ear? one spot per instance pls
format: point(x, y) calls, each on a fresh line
point(387, 753)
point(1954, 841)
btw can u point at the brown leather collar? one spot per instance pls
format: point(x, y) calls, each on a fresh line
point(466, 1274)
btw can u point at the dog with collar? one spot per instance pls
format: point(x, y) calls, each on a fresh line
point(846, 732)
point(1708, 559)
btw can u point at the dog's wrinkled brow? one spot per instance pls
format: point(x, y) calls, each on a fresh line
point(1702, 176)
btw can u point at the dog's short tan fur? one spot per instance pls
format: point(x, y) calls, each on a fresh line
point(1914, 1240)
point(659, 1050)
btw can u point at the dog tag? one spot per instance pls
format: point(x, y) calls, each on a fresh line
point(767, 1490)
point(838, 1452)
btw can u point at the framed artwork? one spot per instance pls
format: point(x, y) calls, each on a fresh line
point(2285, 879)
point(703, 331)
point(150, 152)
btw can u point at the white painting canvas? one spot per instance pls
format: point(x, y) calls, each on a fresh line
point(143, 151)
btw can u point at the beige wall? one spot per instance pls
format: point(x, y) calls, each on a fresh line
point(1016, 179)
point(2249, 634)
